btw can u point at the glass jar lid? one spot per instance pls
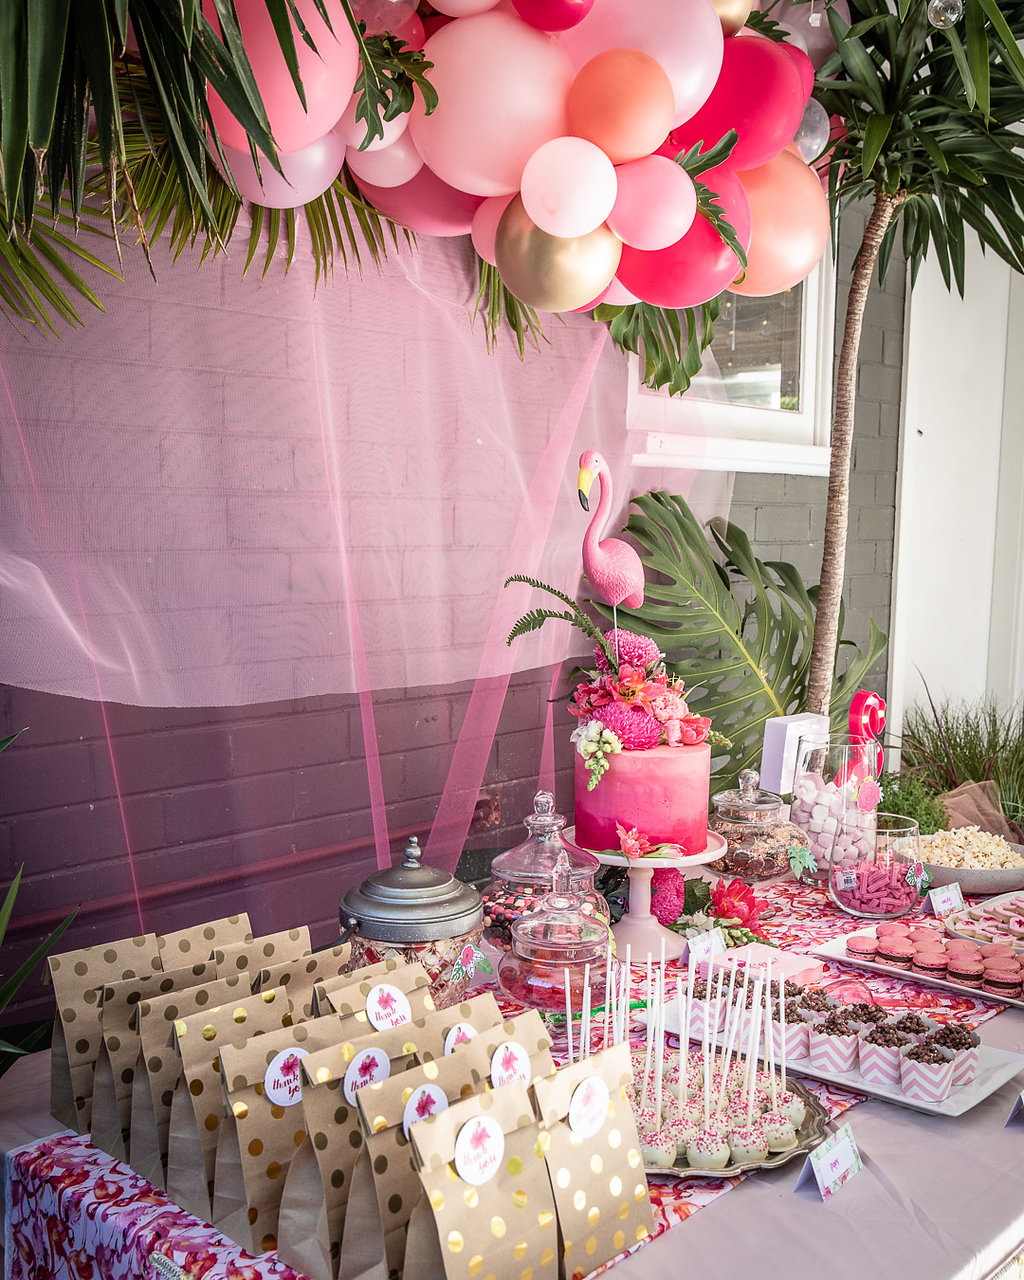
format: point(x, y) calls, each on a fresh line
point(749, 803)
point(536, 857)
point(559, 931)
point(412, 903)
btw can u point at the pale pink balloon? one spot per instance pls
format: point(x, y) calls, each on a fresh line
point(685, 36)
point(568, 187)
point(425, 205)
point(306, 173)
point(502, 88)
point(485, 224)
point(810, 22)
point(655, 205)
point(463, 8)
point(328, 76)
point(352, 131)
point(390, 167)
point(617, 295)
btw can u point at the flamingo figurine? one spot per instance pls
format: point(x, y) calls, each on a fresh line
point(612, 566)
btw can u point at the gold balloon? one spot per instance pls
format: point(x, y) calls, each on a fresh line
point(553, 273)
point(732, 14)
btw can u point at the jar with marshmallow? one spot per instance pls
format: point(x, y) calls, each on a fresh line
point(835, 795)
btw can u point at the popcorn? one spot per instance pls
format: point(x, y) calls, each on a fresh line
point(969, 847)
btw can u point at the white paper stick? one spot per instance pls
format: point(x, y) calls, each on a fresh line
point(606, 1021)
point(568, 1013)
point(733, 1018)
point(585, 1023)
point(755, 1028)
point(627, 983)
point(783, 1037)
point(660, 1065)
point(647, 1047)
point(683, 1053)
point(706, 1064)
point(769, 1039)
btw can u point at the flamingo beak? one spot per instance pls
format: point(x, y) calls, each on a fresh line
point(583, 487)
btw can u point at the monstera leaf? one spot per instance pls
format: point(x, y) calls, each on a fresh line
point(737, 630)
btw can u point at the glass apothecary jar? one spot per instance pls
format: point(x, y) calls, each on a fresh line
point(522, 876)
point(835, 791)
point(760, 839)
point(878, 872)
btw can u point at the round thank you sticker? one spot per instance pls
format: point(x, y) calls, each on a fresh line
point(386, 1007)
point(365, 1068)
point(459, 1034)
point(478, 1150)
point(282, 1081)
point(425, 1101)
point(509, 1062)
point(588, 1107)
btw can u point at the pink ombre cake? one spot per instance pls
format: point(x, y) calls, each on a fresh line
point(662, 792)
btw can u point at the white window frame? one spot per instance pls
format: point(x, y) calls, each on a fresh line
point(698, 434)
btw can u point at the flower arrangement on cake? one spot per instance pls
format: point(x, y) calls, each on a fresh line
point(691, 907)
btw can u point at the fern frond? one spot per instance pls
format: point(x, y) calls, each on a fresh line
point(575, 617)
point(535, 619)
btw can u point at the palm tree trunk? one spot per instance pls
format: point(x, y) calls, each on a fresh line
point(837, 510)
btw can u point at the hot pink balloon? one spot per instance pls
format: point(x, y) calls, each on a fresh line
point(685, 36)
point(353, 131)
point(501, 87)
point(568, 187)
point(700, 264)
point(758, 94)
point(425, 205)
point(306, 173)
point(803, 65)
point(655, 205)
point(390, 167)
point(485, 224)
point(615, 296)
point(553, 15)
point(328, 76)
point(413, 32)
point(789, 225)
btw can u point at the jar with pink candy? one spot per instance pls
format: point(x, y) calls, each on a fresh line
point(835, 795)
point(885, 880)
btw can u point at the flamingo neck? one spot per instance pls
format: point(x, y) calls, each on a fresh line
point(600, 517)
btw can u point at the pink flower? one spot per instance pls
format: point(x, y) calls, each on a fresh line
point(694, 729)
point(736, 900)
point(668, 893)
point(635, 728)
point(633, 843)
point(868, 796)
point(588, 698)
point(634, 650)
point(670, 705)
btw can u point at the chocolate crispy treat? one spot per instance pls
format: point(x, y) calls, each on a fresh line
point(927, 1053)
point(792, 988)
point(866, 1013)
point(912, 1023)
point(887, 1036)
point(793, 1014)
point(834, 1025)
point(953, 1036)
point(816, 1001)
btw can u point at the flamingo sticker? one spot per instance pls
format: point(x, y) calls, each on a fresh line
point(281, 1081)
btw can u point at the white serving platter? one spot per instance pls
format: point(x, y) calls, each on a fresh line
point(952, 922)
point(711, 852)
point(835, 949)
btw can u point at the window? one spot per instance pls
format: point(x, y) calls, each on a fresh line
point(762, 401)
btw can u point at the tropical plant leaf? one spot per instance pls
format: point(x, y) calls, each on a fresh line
point(389, 74)
point(673, 342)
point(499, 308)
point(736, 629)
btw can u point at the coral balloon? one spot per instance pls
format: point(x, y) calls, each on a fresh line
point(425, 205)
point(758, 94)
point(789, 225)
point(700, 264)
point(655, 205)
point(803, 64)
point(622, 101)
point(493, 111)
point(685, 36)
point(485, 226)
point(553, 273)
point(390, 166)
point(304, 175)
point(553, 15)
point(328, 75)
point(353, 132)
point(732, 14)
point(568, 187)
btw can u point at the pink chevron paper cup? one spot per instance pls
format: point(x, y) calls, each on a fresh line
point(926, 1081)
point(965, 1061)
point(797, 1044)
point(836, 1054)
point(878, 1063)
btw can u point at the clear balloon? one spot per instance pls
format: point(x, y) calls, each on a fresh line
point(758, 94)
point(655, 205)
point(685, 36)
point(945, 13)
point(568, 187)
point(789, 225)
point(304, 175)
point(501, 87)
point(812, 137)
point(382, 15)
point(390, 166)
point(553, 273)
point(622, 101)
point(425, 205)
point(353, 132)
point(485, 226)
point(553, 15)
point(328, 75)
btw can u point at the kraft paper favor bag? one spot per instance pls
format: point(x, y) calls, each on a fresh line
point(347, 993)
point(199, 941)
point(251, 957)
point(299, 977)
point(263, 1129)
point(593, 1158)
point(380, 1003)
point(488, 1207)
point(159, 1066)
point(77, 978)
point(198, 1105)
point(115, 1066)
point(519, 1049)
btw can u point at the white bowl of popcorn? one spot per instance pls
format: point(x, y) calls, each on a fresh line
point(977, 860)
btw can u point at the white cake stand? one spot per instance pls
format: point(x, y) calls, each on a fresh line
point(639, 929)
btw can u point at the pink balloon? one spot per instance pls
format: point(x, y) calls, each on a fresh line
point(758, 94)
point(425, 205)
point(655, 205)
point(328, 76)
point(352, 131)
point(789, 225)
point(494, 111)
point(568, 187)
point(803, 65)
point(463, 8)
point(413, 32)
point(306, 173)
point(434, 22)
point(615, 296)
point(685, 36)
point(700, 264)
point(390, 167)
point(553, 15)
point(485, 224)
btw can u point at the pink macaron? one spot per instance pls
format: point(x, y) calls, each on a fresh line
point(965, 971)
point(892, 928)
point(861, 946)
point(897, 953)
point(997, 950)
